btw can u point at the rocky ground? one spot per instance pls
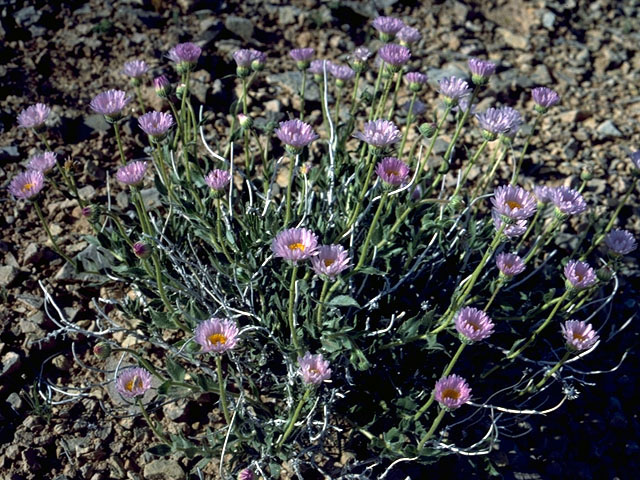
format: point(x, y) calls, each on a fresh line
point(63, 53)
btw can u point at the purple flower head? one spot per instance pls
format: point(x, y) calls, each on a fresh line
point(316, 67)
point(135, 68)
point(27, 184)
point(359, 57)
point(302, 56)
point(314, 369)
point(132, 173)
point(295, 244)
point(141, 249)
point(513, 119)
point(635, 158)
point(133, 382)
point(341, 72)
point(453, 89)
point(379, 133)
point(295, 134)
point(579, 274)
point(620, 242)
point(496, 121)
point(579, 335)
point(408, 35)
point(387, 27)
point(156, 124)
point(509, 264)
point(42, 162)
point(568, 201)
point(473, 324)
point(512, 230)
point(245, 474)
point(218, 179)
point(185, 55)
point(394, 55)
point(162, 86)
point(544, 98)
point(392, 171)
point(543, 193)
point(330, 261)
point(217, 335)
point(110, 104)
point(452, 392)
point(34, 116)
point(481, 70)
point(415, 80)
point(244, 57)
point(513, 202)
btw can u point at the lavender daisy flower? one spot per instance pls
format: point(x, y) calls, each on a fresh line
point(185, 55)
point(296, 135)
point(509, 264)
point(394, 55)
point(245, 474)
point(408, 35)
point(341, 72)
point(302, 56)
point(513, 202)
point(579, 274)
point(218, 179)
point(132, 173)
point(34, 116)
point(141, 250)
point(133, 382)
point(452, 392)
point(481, 70)
point(453, 89)
point(359, 57)
point(42, 162)
point(543, 194)
point(135, 69)
point(497, 121)
point(314, 369)
point(568, 201)
point(110, 104)
point(513, 119)
point(295, 244)
point(27, 184)
point(473, 324)
point(162, 86)
point(635, 158)
point(512, 230)
point(579, 335)
point(156, 124)
point(544, 98)
point(379, 133)
point(415, 80)
point(330, 261)
point(620, 242)
point(217, 335)
point(316, 67)
point(387, 27)
point(392, 171)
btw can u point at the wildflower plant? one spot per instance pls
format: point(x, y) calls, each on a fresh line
point(348, 237)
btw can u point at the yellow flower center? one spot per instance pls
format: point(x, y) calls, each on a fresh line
point(579, 337)
point(314, 371)
point(579, 277)
point(451, 393)
point(217, 338)
point(473, 325)
point(135, 382)
point(296, 246)
point(513, 204)
point(328, 262)
point(395, 173)
point(27, 186)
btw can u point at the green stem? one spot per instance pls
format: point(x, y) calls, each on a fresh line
point(354, 97)
point(463, 120)
point(408, 125)
point(495, 293)
point(292, 421)
point(139, 99)
point(516, 172)
point(294, 163)
point(221, 239)
point(151, 423)
point(553, 370)
point(375, 90)
point(116, 129)
point(320, 307)
point(292, 299)
point(453, 360)
point(372, 227)
point(424, 159)
point(394, 99)
point(385, 94)
point(485, 180)
point(338, 99)
point(223, 391)
point(539, 330)
point(468, 169)
point(532, 224)
point(434, 426)
point(543, 240)
point(302, 91)
point(53, 242)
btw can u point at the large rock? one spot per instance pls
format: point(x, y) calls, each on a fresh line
point(163, 469)
point(8, 274)
point(239, 26)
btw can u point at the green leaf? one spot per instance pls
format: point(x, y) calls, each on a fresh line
point(160, 450)
point(162, 320)
point(175, 370)
point(343, 301)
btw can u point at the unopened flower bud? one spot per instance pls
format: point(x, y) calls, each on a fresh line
point(162, 86)
point(586, 174)
point(456, 202)
point(245, 121)
point(427, 130)
point(102, 350)
point(366, 97)
point(181, 90)
point(604, 274)
point(141, 250)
